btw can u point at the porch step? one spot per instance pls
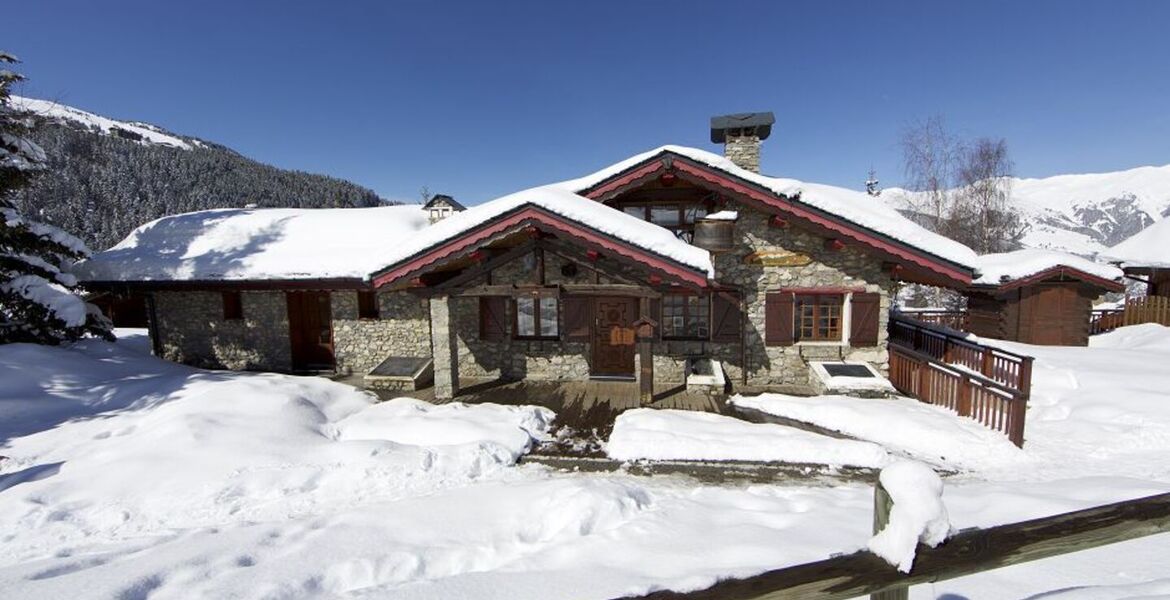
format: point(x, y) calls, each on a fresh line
point(401, 373)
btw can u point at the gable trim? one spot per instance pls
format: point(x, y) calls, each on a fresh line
point(534, 216)
point(774, 203)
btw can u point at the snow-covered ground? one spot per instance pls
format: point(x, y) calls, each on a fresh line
point(130, 477)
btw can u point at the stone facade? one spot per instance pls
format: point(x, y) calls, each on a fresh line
point(744, 151)
point(401, 329)
point(191, 330)
point(848, 267)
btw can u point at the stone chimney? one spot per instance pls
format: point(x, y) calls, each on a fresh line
point(741, 135)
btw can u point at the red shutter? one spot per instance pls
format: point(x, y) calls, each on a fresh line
point(725, 317)
point(863, 324)
point(492, 316)
point(577, 314)
point(778, 319)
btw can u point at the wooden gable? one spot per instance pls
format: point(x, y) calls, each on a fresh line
point(669, 170)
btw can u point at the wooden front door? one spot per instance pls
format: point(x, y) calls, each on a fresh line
point(613, 337)
point(310, 329)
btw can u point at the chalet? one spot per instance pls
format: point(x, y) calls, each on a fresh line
point(1145, 257)
point(441, 206)
point(669, 262)
point(1037, 296)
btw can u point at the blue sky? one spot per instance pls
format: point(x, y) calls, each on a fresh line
point(479, 99)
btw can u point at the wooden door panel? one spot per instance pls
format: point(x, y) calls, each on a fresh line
point(613, 340)
point(310, 326)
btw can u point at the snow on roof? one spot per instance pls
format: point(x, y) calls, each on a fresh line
point(853, 206)
point(995, 269)
point(149, 133)
point(266, 243)
point(565, 203)
point(314, 243)
point(1149, 248)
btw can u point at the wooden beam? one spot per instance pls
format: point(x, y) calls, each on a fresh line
point(965, 553)
point(482, 269)
point(609, 289)
point(645, 357)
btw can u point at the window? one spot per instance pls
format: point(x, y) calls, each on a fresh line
point(685, 316)
point(233, 306)
point(536, 318)
point(665, 216)
point(367, 305)
point(679, 218)
point(818, 317)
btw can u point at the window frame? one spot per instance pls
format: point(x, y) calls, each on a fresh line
point(687, 316)
point(798, 300)
point(536, 310)
point(368, 299)
point(233, 305)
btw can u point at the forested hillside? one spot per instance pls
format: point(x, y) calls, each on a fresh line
point(107, 177)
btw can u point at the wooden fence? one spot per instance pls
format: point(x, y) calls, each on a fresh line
point(987, 384)
point(954, 319)
point(966, 552)
point(1146, 309)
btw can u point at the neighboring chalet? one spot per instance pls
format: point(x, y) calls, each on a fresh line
point(441, 206)
point(1037, 296)
point(1145, 257)
point(664, 264)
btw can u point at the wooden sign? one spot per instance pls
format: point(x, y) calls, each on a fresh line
point(621, 336)
point(777, 258)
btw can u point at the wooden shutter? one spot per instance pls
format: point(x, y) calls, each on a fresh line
point(367, 304)
point(866, 315)
point(577, 315)
point(778, 319)
point(725, 317)
point(493, 312)
point(233, 306)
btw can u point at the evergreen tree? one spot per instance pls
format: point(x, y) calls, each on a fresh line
point(38, 302)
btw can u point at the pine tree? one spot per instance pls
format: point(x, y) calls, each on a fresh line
point(38, 299)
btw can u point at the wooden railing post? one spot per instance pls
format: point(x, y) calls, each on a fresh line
point(964, 396)
point(882, 505)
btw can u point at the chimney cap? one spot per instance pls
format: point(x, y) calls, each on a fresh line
point(757, 123)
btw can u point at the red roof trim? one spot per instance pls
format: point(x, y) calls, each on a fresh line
point(782, 204)
point(534, 216)
point(1057, 271)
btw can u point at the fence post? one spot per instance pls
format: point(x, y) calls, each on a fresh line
point(964, 396)
point(882, 504)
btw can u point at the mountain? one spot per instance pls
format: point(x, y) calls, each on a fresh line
point(106, 177)
point(1083, 214)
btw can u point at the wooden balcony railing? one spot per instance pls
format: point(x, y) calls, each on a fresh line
point(988, 384)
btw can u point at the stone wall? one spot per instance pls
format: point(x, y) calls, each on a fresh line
point(513, 359)
point(401, 329)
point(192, 330)
point(744, 151)
point(849, 267)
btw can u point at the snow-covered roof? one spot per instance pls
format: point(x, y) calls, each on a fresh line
point(264, 243)
point(853, 206)
point(1148, 248)
point(290, 243)
point(565, 203)
point(997, 269)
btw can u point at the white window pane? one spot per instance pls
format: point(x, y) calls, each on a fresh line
point(525, 317)
point(635, 211)
point(548, 316)
point(666, 216)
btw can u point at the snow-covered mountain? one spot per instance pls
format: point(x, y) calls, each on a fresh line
point(144, 133)
point(1086, 213)
point(107, 176)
